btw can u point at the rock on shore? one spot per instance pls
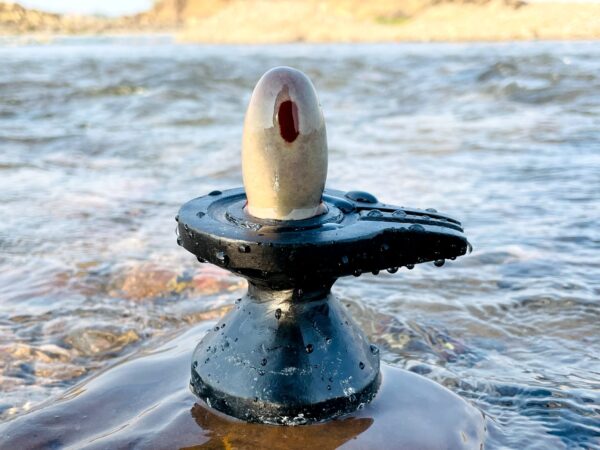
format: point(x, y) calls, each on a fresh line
point(14, 19)
point(165, 15)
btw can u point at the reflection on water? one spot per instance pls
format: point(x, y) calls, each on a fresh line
point(102, 140)
point(324, 436)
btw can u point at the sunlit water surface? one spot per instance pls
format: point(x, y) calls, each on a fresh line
point(101, 140)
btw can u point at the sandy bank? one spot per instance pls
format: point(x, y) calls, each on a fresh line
point(265, 21)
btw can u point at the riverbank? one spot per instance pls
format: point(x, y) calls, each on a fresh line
point(292, 21)
point(267, 21)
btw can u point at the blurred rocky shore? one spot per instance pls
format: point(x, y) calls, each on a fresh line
point(275, 21)
point(17, 20)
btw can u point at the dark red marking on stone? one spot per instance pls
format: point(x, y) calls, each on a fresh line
point(288, 120)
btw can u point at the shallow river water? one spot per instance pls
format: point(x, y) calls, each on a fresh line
point(101, 141)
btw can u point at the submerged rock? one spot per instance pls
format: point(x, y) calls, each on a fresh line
point(100, 340)
point(148, 281)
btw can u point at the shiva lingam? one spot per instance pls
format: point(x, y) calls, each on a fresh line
point(289, 353)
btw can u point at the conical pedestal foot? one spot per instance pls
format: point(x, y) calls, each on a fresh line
point(280, 359)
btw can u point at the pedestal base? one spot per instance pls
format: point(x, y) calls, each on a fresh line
point(280, 359)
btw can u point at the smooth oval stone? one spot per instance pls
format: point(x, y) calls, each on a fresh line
point(284, 149)
point(144, 402)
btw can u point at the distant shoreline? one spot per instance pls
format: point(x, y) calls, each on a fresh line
point(40, 38)
point(326, 21)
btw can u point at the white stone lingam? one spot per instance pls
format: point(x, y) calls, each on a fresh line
point(284, 149)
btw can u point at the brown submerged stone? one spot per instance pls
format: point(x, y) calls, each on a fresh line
point(148, 281)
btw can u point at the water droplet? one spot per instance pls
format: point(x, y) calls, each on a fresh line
point(416, 227)
point(278, 313)
point(186, 226)
point(244, 248)
point(345, 260)
point(374, 349)
point(206, 360)
point(222, 258)
point(255, 399)
point(238, 300)
point(433, 210)
point(399, 213)
point(360, 196)
point(344, 206)
point(361, 365)
point(223, 326)
point(309, 348)
point(469, 247)
point(392, 270)
point(357, 272)
point(263, 362)
point(216, 328)
point(328, 340)
point(195, 364)
point(300, 292)
point(410, 266)
point(374, 213)
point(384, 248)
point(328, 387)
point(439, 262)
point(200, 259)
point(177, 218)
point(261, 372)
point(200, 214)
point(214, 193)
point(375, 272)
point(178, 241)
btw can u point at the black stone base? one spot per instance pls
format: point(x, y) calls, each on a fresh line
point(286, 357)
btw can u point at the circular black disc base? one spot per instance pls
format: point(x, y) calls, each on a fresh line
point(354, 236)
point(274, 360)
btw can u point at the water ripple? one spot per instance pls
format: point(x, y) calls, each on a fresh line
point(103, 139)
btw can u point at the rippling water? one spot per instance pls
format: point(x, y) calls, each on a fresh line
point(101, 140)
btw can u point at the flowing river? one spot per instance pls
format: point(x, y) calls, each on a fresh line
point(102, 139)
